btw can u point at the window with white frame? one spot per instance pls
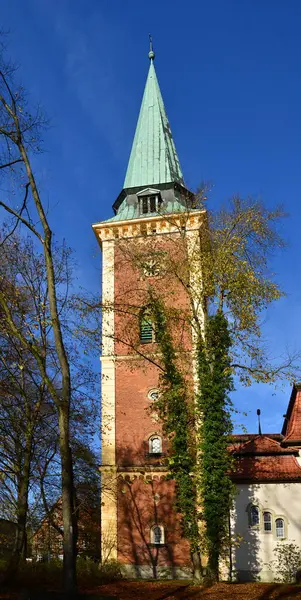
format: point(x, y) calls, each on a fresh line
point(157, 535)
point(254, 516)
point(280, 528)
point(155, 444)
point(267, 522)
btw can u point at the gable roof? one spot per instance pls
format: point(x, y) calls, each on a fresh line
point(262, 445)
point(277, 468)
point(291, 429)
point(245, 437)
point(263, 459)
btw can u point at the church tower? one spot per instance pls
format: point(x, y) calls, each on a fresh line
point(140, 526)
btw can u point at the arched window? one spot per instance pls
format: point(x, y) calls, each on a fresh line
point(155, 444)
point(267, 522)
point(157, 535)
point(147, 330)
point(280, 529)
point(254, 516)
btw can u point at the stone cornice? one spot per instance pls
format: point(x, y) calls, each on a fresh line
point(158, 224)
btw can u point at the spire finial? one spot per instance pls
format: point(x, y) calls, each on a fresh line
point(151, 54)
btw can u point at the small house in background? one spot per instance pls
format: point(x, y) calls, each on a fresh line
point(47, 540)
point(266, 515)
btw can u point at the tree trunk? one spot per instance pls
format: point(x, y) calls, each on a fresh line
point(22, 511)
point(69, 516)
point(63, 405)
point(212, 574)
point(62, 400)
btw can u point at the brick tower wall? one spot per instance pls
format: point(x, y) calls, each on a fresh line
point(143, 500)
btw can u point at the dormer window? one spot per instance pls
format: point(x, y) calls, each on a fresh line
point(149, 202)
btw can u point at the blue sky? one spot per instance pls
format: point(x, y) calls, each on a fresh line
point(229, 73)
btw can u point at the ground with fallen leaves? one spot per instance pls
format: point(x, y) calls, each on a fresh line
point(138, 590)
point(128, 590)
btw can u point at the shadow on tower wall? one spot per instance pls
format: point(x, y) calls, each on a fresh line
point(146, 499)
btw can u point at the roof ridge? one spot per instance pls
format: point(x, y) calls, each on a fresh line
point(262, 436)
point(261, 445)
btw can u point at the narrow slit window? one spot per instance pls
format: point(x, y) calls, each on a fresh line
point(280, 531)
point(267, 522)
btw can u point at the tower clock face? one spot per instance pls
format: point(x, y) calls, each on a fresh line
point(154, 264)
point(151, 267)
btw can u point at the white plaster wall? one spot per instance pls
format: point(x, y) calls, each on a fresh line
point(251, 557)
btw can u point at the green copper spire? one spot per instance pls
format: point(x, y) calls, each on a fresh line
point(153, 157)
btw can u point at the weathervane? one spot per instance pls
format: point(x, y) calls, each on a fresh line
point(151, 54)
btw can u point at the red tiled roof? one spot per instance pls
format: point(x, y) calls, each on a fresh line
point(245, 437)
point(292, 424)
point(265, 457)
point(266, 468)
point(262, 444)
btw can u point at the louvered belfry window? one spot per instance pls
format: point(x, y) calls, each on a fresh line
point(147, 334)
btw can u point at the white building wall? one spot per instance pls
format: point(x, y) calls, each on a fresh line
point(253, 549)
